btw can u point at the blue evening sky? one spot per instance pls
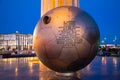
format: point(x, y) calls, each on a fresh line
point(22, 16)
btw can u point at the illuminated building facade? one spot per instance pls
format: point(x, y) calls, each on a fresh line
point(47, 5)
point(16, 41)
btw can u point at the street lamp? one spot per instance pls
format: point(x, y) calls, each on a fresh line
point(115, 40)
point(102, 41)
point(17, 42)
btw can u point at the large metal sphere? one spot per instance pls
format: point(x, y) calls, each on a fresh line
point(66, 39)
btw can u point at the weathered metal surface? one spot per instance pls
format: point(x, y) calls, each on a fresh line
point(66, 39)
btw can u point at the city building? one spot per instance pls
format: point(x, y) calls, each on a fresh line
point(16, 41)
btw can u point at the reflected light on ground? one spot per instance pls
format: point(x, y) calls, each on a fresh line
point(31, 67)
point(5, 60)
point(104, 60)
point(42, 66)
point(88, 67)
point(10, 60)
point(115, 62)
point(35, 61)
point(20, 70)
point(79, 74)
point(16, 71)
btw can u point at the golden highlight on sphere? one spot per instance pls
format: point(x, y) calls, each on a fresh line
point(66, 39)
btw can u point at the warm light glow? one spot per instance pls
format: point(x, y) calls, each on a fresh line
point(104, 60)
point(60, 2)
point(44, 6)
point(69, 2)
point(79, 74)
point(76, 3)
point(65, 74)
point(42, 66)
point(5, 60)
point(10, 60)
point(16, 71)
point(31, 67)
point(115, 62)
point(35, 61)
point(52, 4)
point(88, 67)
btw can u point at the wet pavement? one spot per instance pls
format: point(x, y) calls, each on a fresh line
point(101, 68)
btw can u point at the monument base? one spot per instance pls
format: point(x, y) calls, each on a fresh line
point(66, 74)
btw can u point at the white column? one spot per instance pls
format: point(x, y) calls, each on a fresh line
point(68, 2)
point(49, 5)
point(64, 2)
point(42, 7)
point(60, 3)
point(46, 4)
point(76, 3)
point(56, 3)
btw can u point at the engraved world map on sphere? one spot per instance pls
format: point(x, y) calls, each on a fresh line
point(69, 34)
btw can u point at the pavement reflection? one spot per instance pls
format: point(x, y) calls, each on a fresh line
point(101, 68)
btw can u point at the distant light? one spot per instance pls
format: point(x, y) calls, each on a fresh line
point(113, 40)
point(102, 41)
point(105, 38)
point(17, 32)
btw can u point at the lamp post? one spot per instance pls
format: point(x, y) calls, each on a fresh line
point(102, 41)
point(17, 42)
point(115, 40)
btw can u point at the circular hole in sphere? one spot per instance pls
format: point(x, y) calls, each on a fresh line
point(46, 19)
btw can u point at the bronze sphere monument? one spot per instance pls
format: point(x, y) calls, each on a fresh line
point(66, 39)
